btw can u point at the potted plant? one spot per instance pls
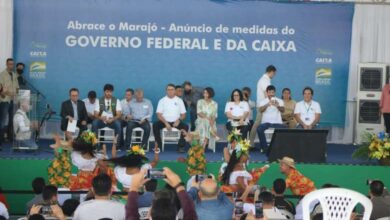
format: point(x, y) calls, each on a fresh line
point(374, 146)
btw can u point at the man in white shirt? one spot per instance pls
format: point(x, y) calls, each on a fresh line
point(101, 206)
point(307, 112)
point(108, 111)
point(170, 113)
point(262, 85)
point(126, 116)
point(23, 127)
point(90, 105)
point(271, 109)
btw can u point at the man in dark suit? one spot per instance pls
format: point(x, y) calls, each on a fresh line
point(73, 109)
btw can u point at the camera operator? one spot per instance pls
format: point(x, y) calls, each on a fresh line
point(380, 199)
point(49, 207)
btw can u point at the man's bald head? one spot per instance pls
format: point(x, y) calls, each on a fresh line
point(208, 188)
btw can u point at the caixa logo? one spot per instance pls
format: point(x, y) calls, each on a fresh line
point(38, 70)
point(323, 60)
point(38, 53)
point(38, 49)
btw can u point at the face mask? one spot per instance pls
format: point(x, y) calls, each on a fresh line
point(19, 71)
point(187, 92)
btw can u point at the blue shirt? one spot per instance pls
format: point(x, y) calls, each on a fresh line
point(216, 209)
point(141, 110)
point(145, 200)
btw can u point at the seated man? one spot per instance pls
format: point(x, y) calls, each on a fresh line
point(271, 109)
point(269, 209)
point(210, 203)
point(107, 112)
point(170, 113)
point(307, 112)
point(73, 109)
point(90, 105)
point(102, 207)
point(141, 111)
point(298, 183)
point(126, 116)
point(23, 127)
point(380, 200)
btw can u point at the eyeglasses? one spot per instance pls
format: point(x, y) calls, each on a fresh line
point(236, 95)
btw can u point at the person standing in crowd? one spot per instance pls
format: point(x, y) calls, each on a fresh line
point(307, 112)
point(126, 116)
point(108, 112)
point(141, 112)
point(179, 91)
point(23, 127)
point(271, 109)
point(289, 106)
point(73, 109)
point(298, 183)
point(9, 87)
point(385, 106)
point(237, 111)
point(20, 70)
point(90, 105)
point(206, 124)
point(246, 92)
point(191, 97)
point(262, 84)
point(171, 114)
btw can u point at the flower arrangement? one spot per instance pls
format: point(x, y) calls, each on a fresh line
point(374, 146)
point(136, 150)
point(234, 135)
point(242, 147)
point(89, 137)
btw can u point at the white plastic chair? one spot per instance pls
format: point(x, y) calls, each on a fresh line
point(106, 135)
point(143, 213)
point(136, 137)
point(171, 136)
point(286, 213)
point(336, 203)
point(268, 134)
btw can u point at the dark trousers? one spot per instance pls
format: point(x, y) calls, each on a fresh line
point(193, 117)
point(158, 126)
point(386, 116)
point(97, 124)
point(243, 129)
point(129, 131)
point(4, 108)
point(260, 132)
point(11, 112)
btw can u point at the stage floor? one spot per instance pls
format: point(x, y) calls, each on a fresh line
point(336, 153)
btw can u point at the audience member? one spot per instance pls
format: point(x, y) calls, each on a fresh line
point(262, 85)
point(3, 211)
point(73, 109)
point(170, 113)
point(289, 107)
point(36, 217)
point(102, 206)
point(269, 208)
point(385, 106)
point(3, 199)
point(146, 198)
point(53, 211)
point(246, 92)
point(207, 110)
point(163, 207)
point(191, 97)
point(90, 105)
point(298, 183)
point(8, 91)
point(38, 184)
point(20, 70)
point(380, 200)
point(271, 109)
point(69, 206)
point(237, 111)
point(307, 112)
point(50, 195)
point(179, 91)
point(108, 112)
point(141, 112)
point(210, 203)
point(279, 187)
point(23, 127)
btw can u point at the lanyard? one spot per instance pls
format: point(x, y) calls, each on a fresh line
point(307, 108)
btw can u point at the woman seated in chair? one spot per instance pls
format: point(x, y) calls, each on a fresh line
point(289, 106)
point(237, 112)
point(132, 163)
point(81, 153)
point(207, 110)
point(236, 178)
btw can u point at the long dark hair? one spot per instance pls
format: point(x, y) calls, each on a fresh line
point(239, 93)
point(229, 169)
point(130, 160)
point(81, 146)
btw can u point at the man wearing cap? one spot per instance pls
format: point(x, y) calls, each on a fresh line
point(298, 183)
